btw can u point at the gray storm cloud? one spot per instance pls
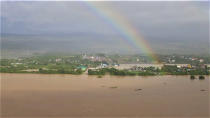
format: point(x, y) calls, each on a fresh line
point(168, 26)
point(56, 17)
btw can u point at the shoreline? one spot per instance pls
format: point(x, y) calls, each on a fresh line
point(102, 75)
point(97, 76)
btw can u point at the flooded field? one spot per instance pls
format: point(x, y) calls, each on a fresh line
point(70, 96)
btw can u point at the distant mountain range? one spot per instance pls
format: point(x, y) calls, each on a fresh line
point(19, 44)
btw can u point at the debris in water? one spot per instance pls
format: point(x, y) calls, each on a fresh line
point(113, 87)
point(138, 89)
point(203, 90)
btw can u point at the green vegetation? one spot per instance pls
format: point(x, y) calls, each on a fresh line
point(113, 71)
point(149, 71)
point(78, 64)
point(201, 77)
point(192, 77)
point(47, 64)
point(174, 70)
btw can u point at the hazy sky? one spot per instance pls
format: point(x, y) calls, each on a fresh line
point(163, 20)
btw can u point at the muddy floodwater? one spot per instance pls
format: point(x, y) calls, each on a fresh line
point(73, 96)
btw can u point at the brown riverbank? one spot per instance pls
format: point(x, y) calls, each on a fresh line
point(44, 95)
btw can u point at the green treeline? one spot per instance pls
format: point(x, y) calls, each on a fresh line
point(61, 71)
point(165, 70)
point(78, 64)
point(174, 70)
point(113, 71)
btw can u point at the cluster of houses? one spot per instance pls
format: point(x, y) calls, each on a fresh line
point(173, 59)
point(196, 59)
point(179, 66)
point(138, 68)
point(105, 65)
point(95, 58)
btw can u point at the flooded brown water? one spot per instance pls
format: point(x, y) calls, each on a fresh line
point(72, 96)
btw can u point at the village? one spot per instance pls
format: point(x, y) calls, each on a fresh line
point(94, 64)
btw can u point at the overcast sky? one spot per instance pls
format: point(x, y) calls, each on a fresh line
point(153, 19)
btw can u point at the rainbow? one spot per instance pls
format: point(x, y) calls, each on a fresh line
point(123, 26)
